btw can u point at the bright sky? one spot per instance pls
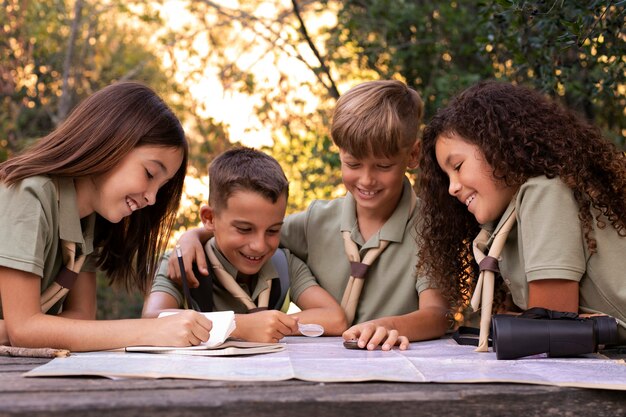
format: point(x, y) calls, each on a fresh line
point(233, 108)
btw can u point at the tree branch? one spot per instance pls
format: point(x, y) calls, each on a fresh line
point(332, 88)
point(65, 101)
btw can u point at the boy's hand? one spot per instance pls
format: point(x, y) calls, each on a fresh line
point(267, 326)
point(191, 247)
point(370, 335)
point(187, 328)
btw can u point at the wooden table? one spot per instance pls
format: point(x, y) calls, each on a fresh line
point(87, 396)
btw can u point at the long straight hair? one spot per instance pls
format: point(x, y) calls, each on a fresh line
point(96, 136)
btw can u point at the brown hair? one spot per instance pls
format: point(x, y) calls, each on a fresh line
point(247, 169)
point(96, 136)
point(379, 118)
point(522, 134)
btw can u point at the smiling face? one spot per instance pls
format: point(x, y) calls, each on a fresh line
point(247, 229)
point(376, 182)
point(131, 185)
point(471, 178)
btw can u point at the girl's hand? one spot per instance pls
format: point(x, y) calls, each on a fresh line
point(187, 328)
point(370, 335)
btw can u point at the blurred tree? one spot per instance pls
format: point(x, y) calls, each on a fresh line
point(265, 51)
point(55, 53)
point(429, 45)
point(572, 50)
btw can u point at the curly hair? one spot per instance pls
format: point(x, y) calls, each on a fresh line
point(522, 134)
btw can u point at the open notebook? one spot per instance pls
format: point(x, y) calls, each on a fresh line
point(218, 344)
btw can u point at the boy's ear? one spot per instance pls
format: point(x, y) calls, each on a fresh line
point(207, 215)
point(414, 155)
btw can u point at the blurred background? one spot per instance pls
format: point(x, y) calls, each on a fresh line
point(268, 73)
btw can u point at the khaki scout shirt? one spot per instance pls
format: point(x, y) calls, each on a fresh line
point(300, 278)
point(548, 242)
point(391, 285)
point(32, 222)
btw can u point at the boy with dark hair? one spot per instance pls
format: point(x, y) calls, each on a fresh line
point(362, 247)
point(247, 201)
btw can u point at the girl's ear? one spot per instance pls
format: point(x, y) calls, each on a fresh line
point(414, 155)
point(207, 215)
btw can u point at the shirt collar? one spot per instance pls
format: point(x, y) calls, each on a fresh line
point(71, 227)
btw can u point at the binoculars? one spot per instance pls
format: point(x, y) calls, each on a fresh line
point(558, 334)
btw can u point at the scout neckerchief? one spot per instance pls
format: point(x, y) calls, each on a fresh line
point(64, 281)
point(488, 267)
point(230, 284)
point(358, 268)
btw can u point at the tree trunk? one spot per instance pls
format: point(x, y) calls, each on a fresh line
point(65, 101)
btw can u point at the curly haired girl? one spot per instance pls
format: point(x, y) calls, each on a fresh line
point(499, 150)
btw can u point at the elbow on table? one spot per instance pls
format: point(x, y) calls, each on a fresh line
point(334, 321)
point(441, 320)
point(339, 324)
point(20, 337)
point(27, 335)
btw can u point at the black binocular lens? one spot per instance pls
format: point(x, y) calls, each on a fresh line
point(515, 337)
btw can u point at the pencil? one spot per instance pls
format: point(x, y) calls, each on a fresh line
point(183, 278)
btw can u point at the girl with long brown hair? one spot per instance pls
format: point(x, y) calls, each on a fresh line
point(99, 192)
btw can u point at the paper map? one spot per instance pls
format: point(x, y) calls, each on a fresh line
point(326, 360)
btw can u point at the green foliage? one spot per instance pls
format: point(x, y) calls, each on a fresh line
point(35, 42)
point(572, 50)
point(429, 45)
point(310, 162)
point(116, 303)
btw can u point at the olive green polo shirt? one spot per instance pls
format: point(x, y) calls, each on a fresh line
point(391, 285)
point(548, 242)
point(300, 278)
point(33, 220)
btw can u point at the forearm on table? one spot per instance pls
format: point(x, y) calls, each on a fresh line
point(333, 320)
point(79, 335)
point(423, 324)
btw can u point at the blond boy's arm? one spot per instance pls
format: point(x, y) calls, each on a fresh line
point(430, 321)
point(319, 307)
